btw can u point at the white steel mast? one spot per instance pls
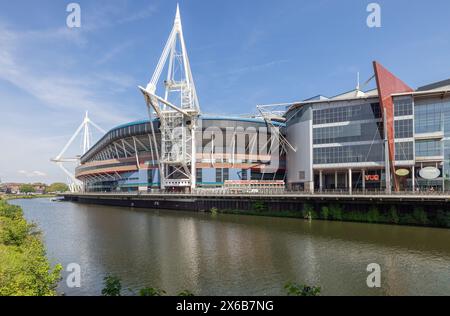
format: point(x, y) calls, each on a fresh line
point(75, 184)
point(177, 112)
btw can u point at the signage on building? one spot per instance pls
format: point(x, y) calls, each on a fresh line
point(429, 173)
point(373, 178)
point(402, 172)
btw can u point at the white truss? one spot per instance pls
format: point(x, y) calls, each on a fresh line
point(276, 113)
point(75, 184)
point(178, 112)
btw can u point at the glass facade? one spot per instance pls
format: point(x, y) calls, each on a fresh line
point(358, 132)
point(428, 148)
point(404, 129)
point(349, 154)
point(404, 151)
point(347, 113)
point(403, 107)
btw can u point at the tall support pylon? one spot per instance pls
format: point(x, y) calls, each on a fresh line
point(177, 111)
point(75, 184)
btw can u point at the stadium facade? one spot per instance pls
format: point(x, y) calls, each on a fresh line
point(232, 152)
point(389, 138)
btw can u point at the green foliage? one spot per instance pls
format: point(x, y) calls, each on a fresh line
point(420, 216)
point(57, 187)
point(27, 188)
point(24, 268)
point(150, 291)
point(185, 293)
point(335, 212)
point(443, 218)
point(112, 286)
point(294, 289)
point(325, 212)
point(214, 211)
point(393, 217)
point(373, 215)
point(259, 206)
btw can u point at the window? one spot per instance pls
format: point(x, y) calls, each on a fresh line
point(404, 151)
point(349, 133)
point(403, 107)
point(349, 154)
point(404, 129)
point(347, 113)
point(428, 148)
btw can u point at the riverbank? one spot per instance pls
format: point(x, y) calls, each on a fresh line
point(411, 210)
point(377, 214)
point(7, 197)
point(24, 268)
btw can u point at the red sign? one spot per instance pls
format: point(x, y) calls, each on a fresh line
point(373, 178)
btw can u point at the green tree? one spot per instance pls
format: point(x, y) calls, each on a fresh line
point(294, 289)
point(112, 286)
point(57, 187)
point(26, 188)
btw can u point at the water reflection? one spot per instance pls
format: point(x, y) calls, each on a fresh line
point(238, 255)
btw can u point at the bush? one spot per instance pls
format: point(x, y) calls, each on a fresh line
point(336, 212)
point(443, 218)
point(112, 286)
point(419, 215)
point(294, 289)
point(24, 268)
point(324, 213)
point(393, 217)
point(150, 291)
point(373, 215)
point(185, 293)
point(259, 206)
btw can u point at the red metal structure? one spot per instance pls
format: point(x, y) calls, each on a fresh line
point(387, 85)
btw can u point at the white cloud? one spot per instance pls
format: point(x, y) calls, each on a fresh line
point(32, 174)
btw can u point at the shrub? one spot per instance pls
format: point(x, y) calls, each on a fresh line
point(24, 268)
point(419, 215)
point(112, 286)
point(336, 212)
point(443, 218)
point(150, 291)
point(324, 213)
point(294, 289)
point(393, 217)
point(259, 206)
point(185, 293)
point(373, 215)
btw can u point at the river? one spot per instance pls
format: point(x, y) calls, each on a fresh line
point(236, 254)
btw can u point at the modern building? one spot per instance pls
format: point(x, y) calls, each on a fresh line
point(230, 152)
point(389, 138)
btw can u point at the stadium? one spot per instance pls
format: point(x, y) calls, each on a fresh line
point(236, 152)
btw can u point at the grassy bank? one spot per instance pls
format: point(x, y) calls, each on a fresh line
point(381, 214)
point(24, 268)
point(33, 196)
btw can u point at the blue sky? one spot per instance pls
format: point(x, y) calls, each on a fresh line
point(243, 53)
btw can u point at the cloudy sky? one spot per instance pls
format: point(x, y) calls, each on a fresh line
point(243, 53)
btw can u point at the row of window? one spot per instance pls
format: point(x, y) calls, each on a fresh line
point(349, 154)
point(349, 133)
point(404, 151)
point(347, 113)
point(428, 148)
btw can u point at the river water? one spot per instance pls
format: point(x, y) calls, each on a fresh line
point(235, 254)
